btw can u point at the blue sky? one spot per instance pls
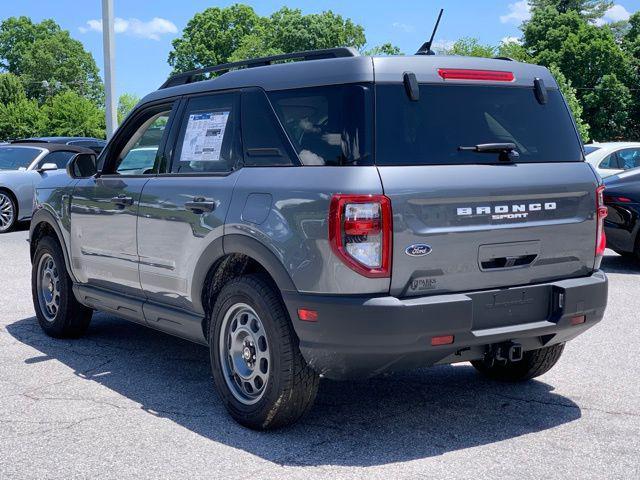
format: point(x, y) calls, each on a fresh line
point(146, 28)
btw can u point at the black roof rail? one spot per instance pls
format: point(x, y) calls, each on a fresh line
point(506, 59)
point(190, 77)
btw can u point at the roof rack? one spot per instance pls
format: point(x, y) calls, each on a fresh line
point(190, 77)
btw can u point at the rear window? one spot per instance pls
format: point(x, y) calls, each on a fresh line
point(329, 125)
point(431, 130)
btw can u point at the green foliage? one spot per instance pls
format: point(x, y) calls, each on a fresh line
point(608, 106)
point(11, 89)
point(514, 51)
point(220, 35)
point(20, 119)
point(588, 9)
point(471, 47)
point(386, 49)
point(126, 102)
point(572, 100)
point(69, 114)
point(43, 52)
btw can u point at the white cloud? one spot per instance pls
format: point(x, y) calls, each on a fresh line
point(507, 40)
point(617, 13)
point(442, 47)
point(403, 26)
point(152, 29)
point(518, 12)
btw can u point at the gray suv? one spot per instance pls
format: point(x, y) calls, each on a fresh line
point(325, 214)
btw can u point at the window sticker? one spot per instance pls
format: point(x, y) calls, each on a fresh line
point(204, 135)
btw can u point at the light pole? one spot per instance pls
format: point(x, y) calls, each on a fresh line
point(109, 81)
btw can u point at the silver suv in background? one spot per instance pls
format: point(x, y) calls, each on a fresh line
point(339, 216)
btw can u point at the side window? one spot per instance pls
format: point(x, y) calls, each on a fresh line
point(262, 137)
point(138, 156)
point(209, 136)
point(629, 158)
point(60, 158)
point(610, 162)
point(328, 125)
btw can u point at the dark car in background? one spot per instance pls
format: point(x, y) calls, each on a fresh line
point(95, 144)
point(622, 198)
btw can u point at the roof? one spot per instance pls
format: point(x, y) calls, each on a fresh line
point(357, 69)
point(613, 144)
point(51, 147)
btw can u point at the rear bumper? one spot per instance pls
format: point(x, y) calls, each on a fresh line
point(359, 337)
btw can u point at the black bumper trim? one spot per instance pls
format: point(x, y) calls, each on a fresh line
point(359, 337)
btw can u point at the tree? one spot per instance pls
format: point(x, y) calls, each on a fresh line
point(69, 114)
point(386, 49)
point(126, 102)
point(20, 119)
point(471, 47)
point(588, 9)
point(11, 89)
point(572, 100)
point(608, 105)
point(220, 35)
point(43, 52)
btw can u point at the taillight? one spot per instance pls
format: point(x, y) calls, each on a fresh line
point(360, 233)
point(601, 210)
point(466, 74)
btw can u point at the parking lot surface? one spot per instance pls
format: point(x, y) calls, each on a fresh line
point(129, 402)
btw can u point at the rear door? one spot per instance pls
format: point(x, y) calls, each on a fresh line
point(182, 211)
point(465, 220)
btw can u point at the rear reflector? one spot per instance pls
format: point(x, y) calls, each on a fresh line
point(307, 315)
point(465, 74)
point(578, 320)
point(442, 340)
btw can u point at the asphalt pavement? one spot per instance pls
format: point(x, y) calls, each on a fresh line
point(130, 402)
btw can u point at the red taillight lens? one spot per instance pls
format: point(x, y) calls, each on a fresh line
point(360, 233)
point(601, 212)
point(466, 74)
point(307, 315)
point(611, 199)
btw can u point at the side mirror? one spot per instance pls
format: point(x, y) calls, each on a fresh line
point(82, 165)
point(47, 167)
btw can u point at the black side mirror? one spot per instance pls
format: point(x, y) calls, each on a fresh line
point(82, 165)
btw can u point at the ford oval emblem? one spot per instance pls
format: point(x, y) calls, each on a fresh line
point(418, 250)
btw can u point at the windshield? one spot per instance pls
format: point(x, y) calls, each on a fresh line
point(13, 158)
point(431, 131)
point(590, 149)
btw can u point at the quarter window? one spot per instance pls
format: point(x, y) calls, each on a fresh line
point(610, 162)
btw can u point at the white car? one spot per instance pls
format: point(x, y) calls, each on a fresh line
point(22, 167)
point(613, 158)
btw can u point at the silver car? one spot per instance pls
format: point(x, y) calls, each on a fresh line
point(614, 157)
point(22, 167)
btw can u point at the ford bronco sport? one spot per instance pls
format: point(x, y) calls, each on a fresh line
point(337, 216)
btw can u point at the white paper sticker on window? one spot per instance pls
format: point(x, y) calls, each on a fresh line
point(204, 135)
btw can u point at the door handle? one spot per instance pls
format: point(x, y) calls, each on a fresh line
point(200, 205)
point(122, 200)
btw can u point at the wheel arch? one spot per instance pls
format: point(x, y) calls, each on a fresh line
point(227, 258)
point(43, 223)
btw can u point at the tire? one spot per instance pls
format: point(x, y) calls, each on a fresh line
point(58, 312)
point(533, 364)
point(258, 369)
point(8, 212)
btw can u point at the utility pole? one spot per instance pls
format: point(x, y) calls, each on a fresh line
point(109, 80)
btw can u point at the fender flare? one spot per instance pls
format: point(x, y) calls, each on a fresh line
point(44, 216)
point(241, 244)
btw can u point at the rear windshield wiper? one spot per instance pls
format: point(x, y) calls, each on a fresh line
point(508, 151)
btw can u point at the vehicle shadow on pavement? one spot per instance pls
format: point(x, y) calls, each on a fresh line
point(391, 419)
point(619, 264)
